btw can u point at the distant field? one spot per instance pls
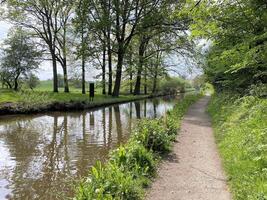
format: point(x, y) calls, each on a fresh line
point(48, 86)
point(43, 93)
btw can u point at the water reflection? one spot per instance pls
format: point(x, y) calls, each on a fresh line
point(42, 155)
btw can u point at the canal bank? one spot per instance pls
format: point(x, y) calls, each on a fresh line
point(28, 108)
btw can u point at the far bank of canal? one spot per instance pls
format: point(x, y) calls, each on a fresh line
point(43, 155)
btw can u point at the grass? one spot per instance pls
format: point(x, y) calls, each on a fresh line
point(44, 89)
point(27, 96)
point(131, 167)
point(36, 101)
point(8, 96)
point(240, 125)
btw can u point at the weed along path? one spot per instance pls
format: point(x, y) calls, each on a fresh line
point(193, 170)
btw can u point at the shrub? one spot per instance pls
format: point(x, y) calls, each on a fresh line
point(136, 158)
point(152, 135)
point(172, 85)
point(107, 183)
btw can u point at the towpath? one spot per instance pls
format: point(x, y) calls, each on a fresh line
point(193, 170)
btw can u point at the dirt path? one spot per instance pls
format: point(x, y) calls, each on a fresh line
point(193, 171)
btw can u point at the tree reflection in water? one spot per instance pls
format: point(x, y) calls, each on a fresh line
point(44, 154)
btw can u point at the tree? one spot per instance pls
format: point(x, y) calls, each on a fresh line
point(21, 57)
point(127, 15)
point(82, 30)
point(32, 81)
point(99, 21)
point(48, 20)
point(236, 59)
point(40, 17)
point(64, 11)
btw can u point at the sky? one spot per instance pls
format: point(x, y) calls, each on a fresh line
point(45, 70)
point(4, 26)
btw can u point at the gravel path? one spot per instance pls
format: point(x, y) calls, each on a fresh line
point(193, 170)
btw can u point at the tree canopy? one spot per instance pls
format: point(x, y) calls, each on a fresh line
point(237, 57)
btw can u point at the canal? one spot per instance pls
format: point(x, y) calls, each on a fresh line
point(43, 156)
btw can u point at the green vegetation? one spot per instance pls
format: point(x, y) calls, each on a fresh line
point(241, 132)
point(172, 85)
point(235, 63)
point(36, 101)
point(25, 95)
point(122, 40)
point(40, 99)
point(236, 58)
point(20, 58)
point(131, 167)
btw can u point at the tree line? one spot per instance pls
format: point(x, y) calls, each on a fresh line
point(236, 59)
point(128, 40)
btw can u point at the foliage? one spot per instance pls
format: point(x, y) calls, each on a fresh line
point(237, 31)
point(241, 133)
point(137, 36)
point(152, 135)
point(135, 158)
point(259, 90)
point(20, 58)
point(107, 183)
point(132, 166)
point(32, 81)
point(173, 85)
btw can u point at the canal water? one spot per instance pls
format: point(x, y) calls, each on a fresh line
point(43, 156)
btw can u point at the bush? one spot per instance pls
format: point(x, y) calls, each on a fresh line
point(107, 183)
point(135, 158)
point(152, 135)
point(172, 86)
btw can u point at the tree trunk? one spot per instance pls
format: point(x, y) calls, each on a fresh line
point(131, 80)
point(131, 73)
point(83, 61)
point(64, 50)
point(109, 52)
point(104, 70)
point(154, 89)
point(117, 85)
point(16, 84)
point(83, 75)
point(109, 67)
point(137, 88)
point(54, 63)
point(65, 74)
point(145, 81)
point(8, 84)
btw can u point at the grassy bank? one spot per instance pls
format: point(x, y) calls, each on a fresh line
point(131, 167)
point(241, 131)
point(10, 96)
point(36, 101)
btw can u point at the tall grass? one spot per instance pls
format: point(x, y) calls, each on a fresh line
point(240, 125)
point(132, 166)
